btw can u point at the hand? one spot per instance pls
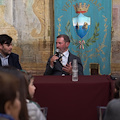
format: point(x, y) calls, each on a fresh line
point(53, 59)
point(68, 68)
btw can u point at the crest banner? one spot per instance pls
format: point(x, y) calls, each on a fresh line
point(88, 24)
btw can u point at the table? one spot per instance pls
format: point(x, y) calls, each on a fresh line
point(68, 100)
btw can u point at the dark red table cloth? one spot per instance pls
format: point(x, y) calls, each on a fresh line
point(67, 100)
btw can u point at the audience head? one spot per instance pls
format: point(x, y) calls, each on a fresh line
point(62, 43)
point(5, 44)
point(5, 39)
point(9, 95)
point(117, 88)
point(30, 85)
point(22, 89)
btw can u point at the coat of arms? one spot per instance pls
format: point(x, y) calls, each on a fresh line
point(81, 23)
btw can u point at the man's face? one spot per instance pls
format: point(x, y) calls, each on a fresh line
point(5, 49)
point(62, 45)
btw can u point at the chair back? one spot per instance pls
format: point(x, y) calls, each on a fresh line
point(44, 110)
point(101, 112)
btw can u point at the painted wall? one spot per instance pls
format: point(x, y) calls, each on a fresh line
point(115, 51)
point(28, 23)
point(31, 24)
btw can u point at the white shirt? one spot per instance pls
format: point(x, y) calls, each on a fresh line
point(65, 58)
point(4, 60)
point(34, 111)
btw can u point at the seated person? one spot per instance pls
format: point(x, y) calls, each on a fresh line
point(10, 104)
point(7, 58)
point(113, 107)
point(57, 67)
point(34, 111)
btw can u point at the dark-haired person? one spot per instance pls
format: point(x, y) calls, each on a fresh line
point(23, 115)
point(55, 66)
point(7, 58)
point(10, 104)
point(34, 111)
point(113, 108)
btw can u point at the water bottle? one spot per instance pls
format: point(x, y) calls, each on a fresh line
point(75, 70)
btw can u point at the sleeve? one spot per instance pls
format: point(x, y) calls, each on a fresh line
point(40, 115)
point(17, 64)
point(34, 112)
point(13, 60)
point(80, 67)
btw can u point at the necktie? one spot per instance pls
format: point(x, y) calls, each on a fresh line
point(60, 58)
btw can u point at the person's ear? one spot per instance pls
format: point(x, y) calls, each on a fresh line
point(7, 107)
point(67, 44)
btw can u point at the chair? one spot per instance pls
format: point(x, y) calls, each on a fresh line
point(44, 110)
point(101, 112)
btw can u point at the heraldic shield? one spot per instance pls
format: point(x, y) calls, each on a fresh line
point(81, 23)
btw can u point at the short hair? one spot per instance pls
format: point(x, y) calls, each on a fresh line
point(66, 38)
point(9, 86)
point(5, 39)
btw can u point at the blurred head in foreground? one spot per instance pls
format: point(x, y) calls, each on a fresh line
point(21, 88)
point(9, 95)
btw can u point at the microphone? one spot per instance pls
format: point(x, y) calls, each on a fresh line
point(59, 55)
point(57, 52)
